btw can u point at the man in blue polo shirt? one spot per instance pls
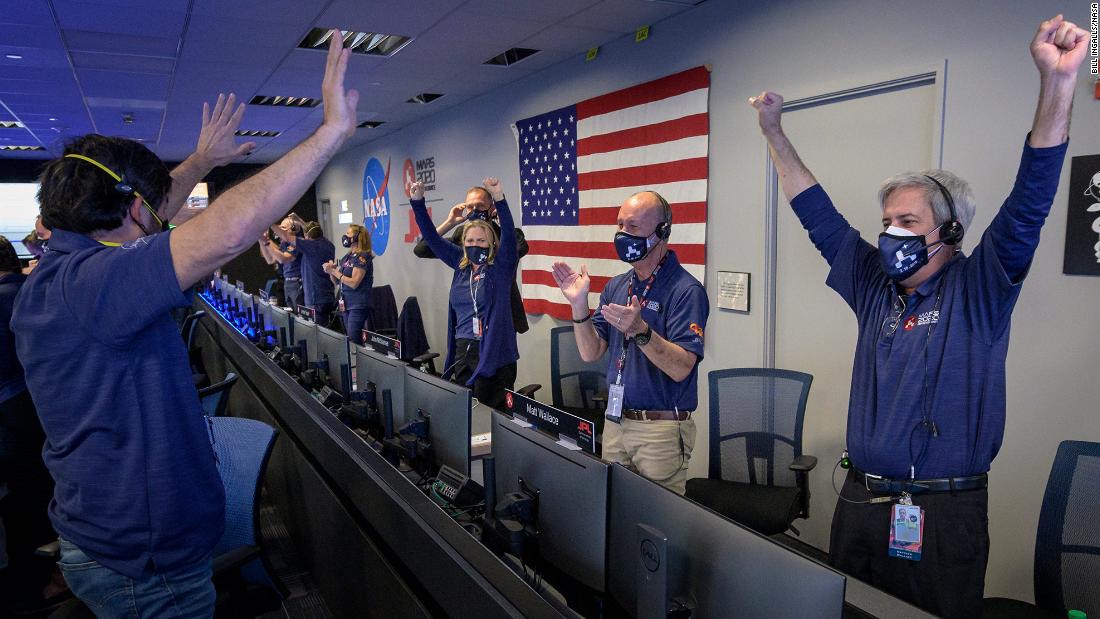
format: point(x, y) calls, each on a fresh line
point(139, 502)
point(290, 260)
point(927, 409)
point(315, 250)
point(651, 321)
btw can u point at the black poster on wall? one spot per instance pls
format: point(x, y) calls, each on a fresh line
point(1083, 219)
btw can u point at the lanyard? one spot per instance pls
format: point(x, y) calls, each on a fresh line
point(475, 289)
point(642, 300)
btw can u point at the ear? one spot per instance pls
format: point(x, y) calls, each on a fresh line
point(135, 208)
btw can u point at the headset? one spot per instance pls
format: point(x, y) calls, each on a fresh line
point(951, 232)
point(664, 229)
point(122, 186)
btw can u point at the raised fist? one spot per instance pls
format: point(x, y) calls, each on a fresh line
point(769, 107)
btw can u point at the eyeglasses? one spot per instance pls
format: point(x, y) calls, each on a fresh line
point(890, 325)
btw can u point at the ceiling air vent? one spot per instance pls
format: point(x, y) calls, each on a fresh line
point(285, 101)
point(12, 147)
point(370, 124)
point(10, 124)
point(258, 134)
point(425, 97)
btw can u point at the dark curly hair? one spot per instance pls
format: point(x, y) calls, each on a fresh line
point(9, 261)
point(79, 197)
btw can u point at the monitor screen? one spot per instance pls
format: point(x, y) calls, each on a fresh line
point(21, 250)
point(334, 347)
point(725, 569)
point(572, 487)
point(447, 407)
point(385, 373)
point(18, 210)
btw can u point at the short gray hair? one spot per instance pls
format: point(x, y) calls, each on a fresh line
point(957, 187)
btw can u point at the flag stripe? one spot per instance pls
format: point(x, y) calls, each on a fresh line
point(682, 191)
point(597, 266)
point(682, 213)
point(686, 169)
point(560, 311)
point(686, 104)
point(692, 253)
point(648, 92)
point(546, 278)
point(683, 234)
point(676, 150)
point(658, 133)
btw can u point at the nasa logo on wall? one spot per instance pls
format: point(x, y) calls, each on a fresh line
point(376, 204)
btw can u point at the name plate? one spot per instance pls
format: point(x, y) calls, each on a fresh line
point(307, 312)
point(572, 431)
point(382, 344)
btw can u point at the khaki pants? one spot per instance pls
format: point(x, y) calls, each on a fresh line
point(658, 450)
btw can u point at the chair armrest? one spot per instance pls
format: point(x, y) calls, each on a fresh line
point(235, 558)
point(529, 390)
point(804, 463)
point(424, 358)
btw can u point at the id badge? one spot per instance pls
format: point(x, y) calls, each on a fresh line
point(614, 403)
point(477, 327)
point(906, 532)
point(342, 304)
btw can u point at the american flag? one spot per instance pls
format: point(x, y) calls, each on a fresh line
point(579, 163)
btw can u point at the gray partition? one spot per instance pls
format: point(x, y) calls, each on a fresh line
point(335, 346)
point(385, 373)
point(725, 569)
point(305, 329)
point(573, 491)
point(447, 407)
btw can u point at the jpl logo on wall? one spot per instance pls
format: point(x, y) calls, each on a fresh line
point(376, 204)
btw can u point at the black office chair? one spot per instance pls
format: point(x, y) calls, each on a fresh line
point(383, 312)
point(215, 398)
point(577, 386)
point(758, 475)
point(1067, 546)
point(188, 330)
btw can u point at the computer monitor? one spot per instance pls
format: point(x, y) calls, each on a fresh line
point(572, 487)
point(281, 323)
point(447, 407)
point(21, 250)
point(386, 374)
point(306, 330)
point(334, 347)
point(722, 568)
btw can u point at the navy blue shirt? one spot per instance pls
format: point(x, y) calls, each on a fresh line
point(294, 267)
point(11, 372)
point(318, 287)
point(945, 359)
point(126, 441)
point(465, 295)
point(359, 297)
point(677, 310)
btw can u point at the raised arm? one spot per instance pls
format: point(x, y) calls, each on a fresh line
point(217, 146)
point(794, 177)
point(448, 252)
point(575, 286)
point(507, 250)
point(265, 249)
point(239, 215)
point(1058, 49)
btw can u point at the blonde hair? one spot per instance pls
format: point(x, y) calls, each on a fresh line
point(363, 239)
point(492, 234)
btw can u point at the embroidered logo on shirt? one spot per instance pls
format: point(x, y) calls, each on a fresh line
point(927, 318)
point(696, 329)
point(653, 306)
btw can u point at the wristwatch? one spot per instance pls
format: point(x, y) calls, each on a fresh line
point(643, 338)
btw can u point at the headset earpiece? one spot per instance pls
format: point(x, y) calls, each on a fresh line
point(663, 231)
point(951, 232)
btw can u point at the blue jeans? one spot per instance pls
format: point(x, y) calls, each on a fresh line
point(355, 320)
point(188, 592)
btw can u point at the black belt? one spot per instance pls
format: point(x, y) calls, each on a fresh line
point(646, 415)
point(881, 485)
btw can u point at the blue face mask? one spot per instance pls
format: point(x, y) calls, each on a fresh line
point(476, 215)
point(903, 252)
point(477, 255)
point(633, 248)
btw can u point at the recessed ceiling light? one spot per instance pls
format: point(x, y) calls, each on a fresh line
point(284, 101)
point(52, 118)
point(425, 97)
point(13, 56)
point(511, 56)
point(372, 43)
point(254, 133)
point(370, 124)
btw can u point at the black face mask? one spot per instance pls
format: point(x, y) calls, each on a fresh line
point(476, 215)
point(348, 241)
point(477, 255)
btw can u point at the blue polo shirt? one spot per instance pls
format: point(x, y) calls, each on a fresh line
point(316, 284)
point(677, 310)
point(11, 372)
point(360, 297)
point(463, 296)
point(137, 484)
point(294, 267)
point(945, 359)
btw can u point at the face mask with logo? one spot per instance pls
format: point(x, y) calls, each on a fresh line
point(348, 241)
point(633, 248)
point(476, 215)
point(903, 252)
point(477, 255)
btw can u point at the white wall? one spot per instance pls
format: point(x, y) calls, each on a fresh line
point(797, 49)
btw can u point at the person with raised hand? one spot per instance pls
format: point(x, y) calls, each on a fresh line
point(138, 502)
point(927, 410)
point(481, 338)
